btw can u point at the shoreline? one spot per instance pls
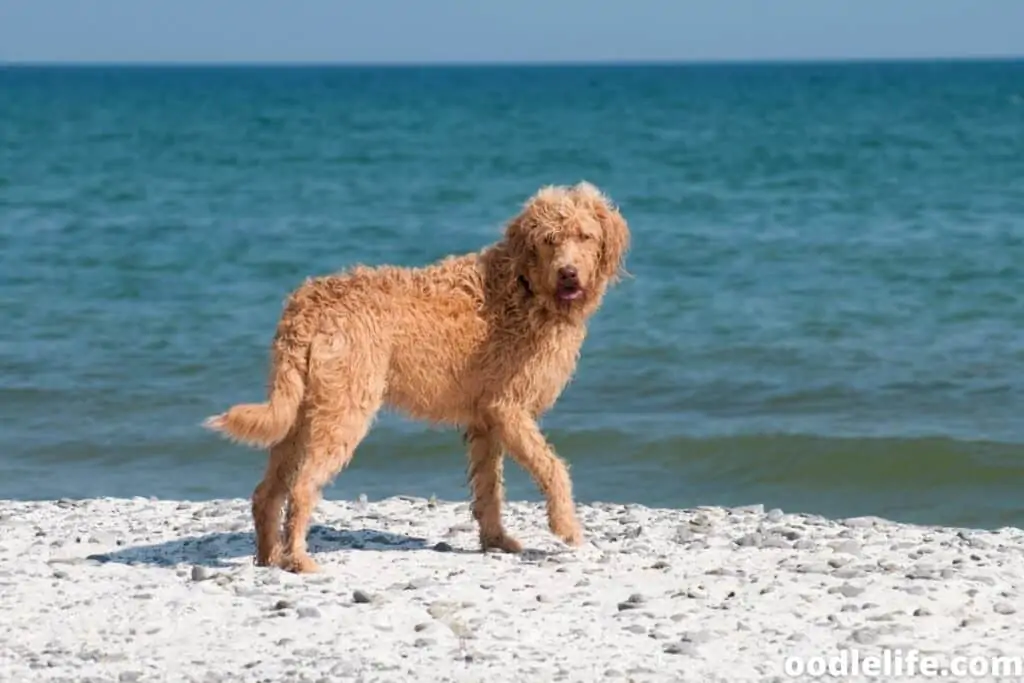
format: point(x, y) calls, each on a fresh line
point(161, 590)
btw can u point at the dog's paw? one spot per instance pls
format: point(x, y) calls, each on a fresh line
point(574, 539)
point(568, 530)
point(301, 564)
point(504, 542)
point(270, 558)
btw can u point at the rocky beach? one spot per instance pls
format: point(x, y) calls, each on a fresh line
point(159, 590)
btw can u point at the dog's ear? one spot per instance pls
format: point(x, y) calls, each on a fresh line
point(521, 233)
point(615, 231)
point(517, 237)
point(521, 251)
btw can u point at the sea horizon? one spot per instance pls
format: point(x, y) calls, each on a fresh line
point(541, 64)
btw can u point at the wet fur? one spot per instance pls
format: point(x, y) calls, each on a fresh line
point(479, 341)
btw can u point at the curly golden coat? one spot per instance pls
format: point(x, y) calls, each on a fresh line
point(484, 341)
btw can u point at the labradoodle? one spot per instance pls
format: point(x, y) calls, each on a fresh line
point(484, 341)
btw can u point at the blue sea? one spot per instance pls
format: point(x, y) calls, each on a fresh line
point(825, 314)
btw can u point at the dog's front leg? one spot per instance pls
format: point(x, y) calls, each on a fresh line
point(486, 480)
point(528, 447)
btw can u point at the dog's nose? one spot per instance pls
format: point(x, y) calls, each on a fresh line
point(568, 273)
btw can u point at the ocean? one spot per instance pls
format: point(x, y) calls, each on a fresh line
point(825, 311)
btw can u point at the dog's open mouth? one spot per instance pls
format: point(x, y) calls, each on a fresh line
point(568, 292)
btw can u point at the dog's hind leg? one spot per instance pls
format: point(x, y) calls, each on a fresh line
point(268, 500)
point(485, 475)
point(344, 397)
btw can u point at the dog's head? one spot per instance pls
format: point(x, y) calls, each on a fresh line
point(568, 245)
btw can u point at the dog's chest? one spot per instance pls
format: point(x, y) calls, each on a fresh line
point(547, 370)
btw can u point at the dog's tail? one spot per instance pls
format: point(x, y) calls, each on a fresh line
point(262, 425)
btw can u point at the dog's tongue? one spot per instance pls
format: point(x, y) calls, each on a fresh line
point(568, 294)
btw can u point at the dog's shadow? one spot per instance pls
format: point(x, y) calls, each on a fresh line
point(215, 550)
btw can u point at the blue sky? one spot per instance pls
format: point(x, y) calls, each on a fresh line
point(493, 30)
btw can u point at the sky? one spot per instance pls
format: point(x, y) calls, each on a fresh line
point(403, 31)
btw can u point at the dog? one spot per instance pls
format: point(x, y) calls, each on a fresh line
point(485, 342)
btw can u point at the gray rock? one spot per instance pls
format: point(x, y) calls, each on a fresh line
point(774, 541)
point(805, 544)
point(129, 676)
point(720, 571)
point(848, 573)
point(888, 616)
point(442, 547)
point(200, 573)
point(847, 590)
point(283, 605)
point(775, 515)
point(419, 583)
point(684, 535)
point(1004, 608)
point(423, 642)
point(344, 671)
point(848, 547)
point(361, 597)
point(632, 602)
point(864, 636)
point(753, 540)
point(972, 541)
point(925, 573)
point(697, 637)
point(922, 612)
point(860, 522)
point(683, 648)
point(640, 670)
point(636, 628)
point(701, 520)
point(308, 613)
point(839, 562)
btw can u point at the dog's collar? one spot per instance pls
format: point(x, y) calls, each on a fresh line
point(525, 284)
